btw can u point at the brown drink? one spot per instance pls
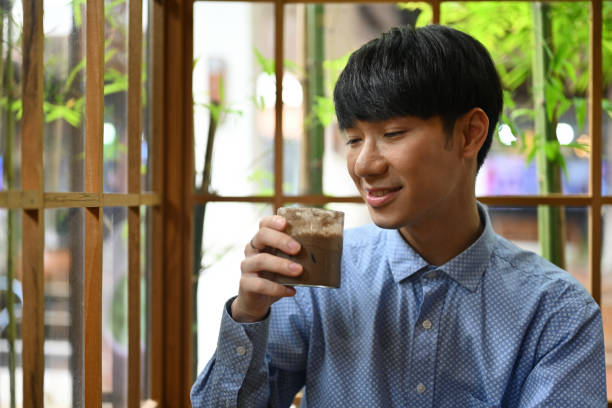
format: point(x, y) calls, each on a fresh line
point(319, 232)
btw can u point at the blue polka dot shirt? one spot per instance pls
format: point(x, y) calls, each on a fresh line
point(496, 326)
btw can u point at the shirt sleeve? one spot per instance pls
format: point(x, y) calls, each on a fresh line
point(570, 368)
point(240, 373)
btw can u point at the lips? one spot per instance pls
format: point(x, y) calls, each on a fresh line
point(380, 193)
point(378, 197)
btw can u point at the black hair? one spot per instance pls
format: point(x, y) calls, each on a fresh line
point(423, 72)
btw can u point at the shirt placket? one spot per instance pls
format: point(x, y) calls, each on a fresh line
point(425, 342)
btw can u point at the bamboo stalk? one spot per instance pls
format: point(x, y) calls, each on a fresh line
point(312, 166)
point(551, 220)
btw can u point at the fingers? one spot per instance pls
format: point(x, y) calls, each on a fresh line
point(270, 235)
point(255, 293)
point(261, 286)
point(266, 262)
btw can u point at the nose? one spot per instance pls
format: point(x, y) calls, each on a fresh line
point(369, 161)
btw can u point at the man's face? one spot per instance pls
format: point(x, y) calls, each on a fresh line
point(406, 169)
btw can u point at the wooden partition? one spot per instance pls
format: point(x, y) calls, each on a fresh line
point(172, 198)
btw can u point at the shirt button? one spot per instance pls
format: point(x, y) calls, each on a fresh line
point(240, 350)
point(420, 388)
point(427, 324)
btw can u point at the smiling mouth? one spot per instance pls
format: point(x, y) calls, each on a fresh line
point(383, 192)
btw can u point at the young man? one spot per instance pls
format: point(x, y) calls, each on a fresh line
point(434, 309)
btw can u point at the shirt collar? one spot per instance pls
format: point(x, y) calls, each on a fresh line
point(466, 268)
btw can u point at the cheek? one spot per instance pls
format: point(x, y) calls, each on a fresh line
point(350, 164)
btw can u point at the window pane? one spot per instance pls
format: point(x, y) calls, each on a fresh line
point(11, 374)
point(115, 96)
point(147, 84)
point(233, 94)
point(115, 307)
point(510, 40)
point(316, 51)
point(227, 228)
point(64, 59)
point(606, 184)
point(606, 290)
point(11, 17)
point(64, 237)
point(355, 215)
point(520, 225)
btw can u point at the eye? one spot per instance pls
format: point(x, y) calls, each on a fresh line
point(394, 133)
point(352, 141)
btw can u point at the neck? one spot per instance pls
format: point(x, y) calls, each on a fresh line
point(446, 233)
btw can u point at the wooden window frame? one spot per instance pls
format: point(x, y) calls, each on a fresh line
point(594, 200)
point(172, 200)
point(32, 199)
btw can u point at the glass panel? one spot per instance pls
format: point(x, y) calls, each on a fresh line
point(520, 225)
point(11, 18)
point(316, 50)
point(233, 94)
point(115, 307)
point(606, 50)
point(64, 237)
point(145, 304)
point(606, 290)
point(64, 57)
point(147, 75)
point(11, 374)
point(227, 228)
point(510, 41)
point(355, 215)
point(115, 96)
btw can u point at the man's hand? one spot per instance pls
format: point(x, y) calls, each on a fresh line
point(256, 294)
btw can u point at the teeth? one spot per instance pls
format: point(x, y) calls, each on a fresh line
point(379, 193)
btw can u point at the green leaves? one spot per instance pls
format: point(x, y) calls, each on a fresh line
point(266, 64)
point(324, 110)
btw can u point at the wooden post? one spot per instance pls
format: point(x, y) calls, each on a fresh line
point(134, 181)
point(595, 120)
point(94, 122)
point(33, 220)
point(178, 211)
point(279, 13)
point(157, 268)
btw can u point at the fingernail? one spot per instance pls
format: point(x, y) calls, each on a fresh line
point(293, 267)
point(293, 246)
point(290, 291)
point(279, 221)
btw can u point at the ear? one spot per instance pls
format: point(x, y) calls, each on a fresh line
point(473, 132)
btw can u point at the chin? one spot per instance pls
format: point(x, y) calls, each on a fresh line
point(382, 221)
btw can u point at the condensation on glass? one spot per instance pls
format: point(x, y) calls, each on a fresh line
point(115, 96)
point(11, 292)
point(114, 306)
point(64, 96)
point(63, 283)
point(233, 92)
point(228, 227)
point(314, 148)
point(509, 168)
point(11, 16)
